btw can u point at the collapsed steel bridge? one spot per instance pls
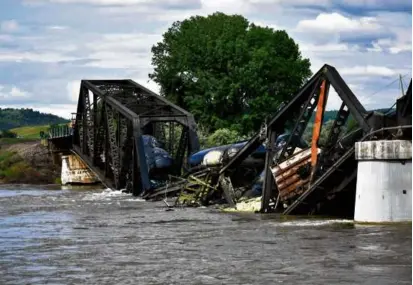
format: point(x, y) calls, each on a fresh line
point(320, 179)
point(111, 119)
point(113, 116)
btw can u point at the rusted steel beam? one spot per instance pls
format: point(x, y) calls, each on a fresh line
point(317, 124)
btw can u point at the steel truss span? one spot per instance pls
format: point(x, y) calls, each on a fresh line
point(112, 119)
point(333, 171)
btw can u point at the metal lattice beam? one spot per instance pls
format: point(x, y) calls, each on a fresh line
point(108, 131)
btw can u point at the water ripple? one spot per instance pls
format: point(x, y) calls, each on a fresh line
point(109, 237)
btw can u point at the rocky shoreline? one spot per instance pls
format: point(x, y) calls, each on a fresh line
point(27, 163)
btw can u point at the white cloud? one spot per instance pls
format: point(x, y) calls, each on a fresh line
point(366, 4)
point(49, 57)
point(393, 46)
point(334, 101)
point(107, 60)
point(73, 88)
point(151, 85)
point(369, 70)
point(16, 92)
point(59, 28)
point(119, 46)
point(318, 48)
point(115, 2)
point(94, 2)
point(375, 3)
point(61, 110)
point(129, 51)
point(293, 2)
point(402, 42)
point(9, 26)
point(335, 23)
point(124, 42)
point(13, 92)
point(227, 6)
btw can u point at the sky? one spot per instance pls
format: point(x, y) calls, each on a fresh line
point(48, 46)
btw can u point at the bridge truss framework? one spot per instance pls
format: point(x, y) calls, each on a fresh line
point(111, 118)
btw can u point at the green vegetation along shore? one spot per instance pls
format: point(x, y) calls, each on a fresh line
point(29, 132)
point(23, 160)
point(26, 162)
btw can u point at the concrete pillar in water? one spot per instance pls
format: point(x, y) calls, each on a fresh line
point(384, 181)
point(74, 171)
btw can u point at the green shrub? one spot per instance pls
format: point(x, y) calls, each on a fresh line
point(15, 172)
point(20, 172)
point(222, 137)
point(8, 158)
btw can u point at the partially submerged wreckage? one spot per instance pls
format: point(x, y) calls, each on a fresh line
point(279, 168)
point(134, 139)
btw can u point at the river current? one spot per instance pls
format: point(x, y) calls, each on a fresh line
point(75, 236)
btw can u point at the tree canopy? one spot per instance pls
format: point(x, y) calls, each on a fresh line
point(226, 71)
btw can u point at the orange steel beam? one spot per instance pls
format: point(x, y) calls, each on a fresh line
point(317, 124)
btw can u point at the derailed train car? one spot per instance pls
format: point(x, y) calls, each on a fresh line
point(254, 163)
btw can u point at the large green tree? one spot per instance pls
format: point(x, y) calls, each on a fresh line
point(228, 72)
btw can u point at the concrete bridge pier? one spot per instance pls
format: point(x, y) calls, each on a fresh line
point(384, 181)
point(74, 171)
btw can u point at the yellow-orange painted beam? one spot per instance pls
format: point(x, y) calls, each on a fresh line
point(317, 124)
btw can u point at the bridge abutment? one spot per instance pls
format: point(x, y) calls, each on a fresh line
point(74, 171)
point(384, 181)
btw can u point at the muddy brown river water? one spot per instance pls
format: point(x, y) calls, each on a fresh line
point(75, 236)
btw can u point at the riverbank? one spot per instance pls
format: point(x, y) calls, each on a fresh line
point(27, 162)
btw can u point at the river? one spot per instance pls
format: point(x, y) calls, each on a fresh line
point(75, 236)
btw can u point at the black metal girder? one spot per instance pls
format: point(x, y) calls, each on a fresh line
point(110, 140)
point(344, 92)
point(295, 103)
point(130, 85)
point(153, 98)
point(110, 100)
point(329, 73)
point(276, 126)
point(332, 78)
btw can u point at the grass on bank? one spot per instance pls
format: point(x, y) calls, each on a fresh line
point(10, 141)
point(14, 169)
point(30, 132)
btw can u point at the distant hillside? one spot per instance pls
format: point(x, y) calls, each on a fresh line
point(331, 115)
point(13, 118)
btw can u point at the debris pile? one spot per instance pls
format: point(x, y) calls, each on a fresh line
point(276, 170)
